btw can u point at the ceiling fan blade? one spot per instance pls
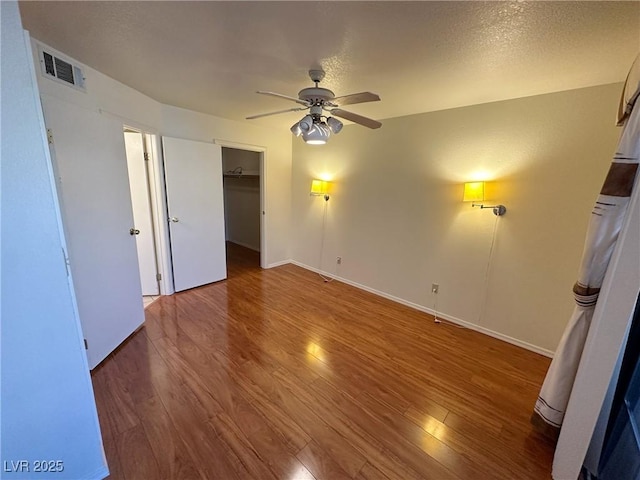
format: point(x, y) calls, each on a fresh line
point(286, 97)
point(354, 117)
point(354, 98)
point(276, 113)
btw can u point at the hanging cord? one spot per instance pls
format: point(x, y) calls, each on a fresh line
point(435, 308)
point(486, 285)
point(442, 321)
point(324, 222)
point(487, 270)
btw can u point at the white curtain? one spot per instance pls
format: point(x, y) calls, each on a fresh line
point(604, 226)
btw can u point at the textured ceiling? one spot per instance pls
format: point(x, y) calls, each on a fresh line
point(418, 56)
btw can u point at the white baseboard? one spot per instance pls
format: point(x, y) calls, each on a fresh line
point(444, 316)
point(279, 264)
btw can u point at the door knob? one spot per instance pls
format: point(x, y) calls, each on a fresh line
point(134, 231)
point(174, 219)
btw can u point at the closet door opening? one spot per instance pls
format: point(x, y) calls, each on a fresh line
point(242, 173)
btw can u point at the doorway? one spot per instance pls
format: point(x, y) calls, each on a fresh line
point(138, 147)
point(242, 173)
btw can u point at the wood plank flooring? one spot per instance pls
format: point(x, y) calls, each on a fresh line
point(275, 374)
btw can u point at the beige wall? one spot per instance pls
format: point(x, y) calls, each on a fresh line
point(397, 220)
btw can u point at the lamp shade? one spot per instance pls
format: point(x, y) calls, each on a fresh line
point(318, 134)
point(295, 129)
point(334, 124)
point(319, 187)
point(306, 123)
point(473, 192)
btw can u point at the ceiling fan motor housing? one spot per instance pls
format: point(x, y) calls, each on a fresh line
point(316, 95)
point(316, 110)
point(316, 75)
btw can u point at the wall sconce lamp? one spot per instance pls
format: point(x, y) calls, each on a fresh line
point(320, 187)
point(474, 192)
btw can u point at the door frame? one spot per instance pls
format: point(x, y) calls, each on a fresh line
point(147, 148)
point(159, 212)
point(263, 183)
point(152, 139)
point(159, 199)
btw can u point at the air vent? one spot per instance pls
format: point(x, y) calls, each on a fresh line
point(64, 71)
point(56, 68)
point(48, 64)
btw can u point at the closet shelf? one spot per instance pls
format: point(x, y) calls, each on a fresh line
point(241, 175)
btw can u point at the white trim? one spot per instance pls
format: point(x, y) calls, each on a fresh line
point(151, 140)
point(239, 146)
point(148, 141)
point(422, 308)
point(159, 211)
point(281, 263)
point(128, 122)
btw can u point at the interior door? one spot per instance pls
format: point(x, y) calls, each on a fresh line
point(193, 175)
point(89, 160)
point(141, 203)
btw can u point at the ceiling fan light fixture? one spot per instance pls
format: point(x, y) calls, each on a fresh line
point(306, 124)
point(317, 135)
point(295, 129)
point(318, 100)
point(334, 125)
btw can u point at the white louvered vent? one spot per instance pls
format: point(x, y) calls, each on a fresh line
point(56, 68)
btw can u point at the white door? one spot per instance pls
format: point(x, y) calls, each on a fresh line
point(193, 174)
point(90, 163)
point(141, 202)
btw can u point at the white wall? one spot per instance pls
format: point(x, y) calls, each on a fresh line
point(242, 197)
point(48, 409)
point(137, 110)
point(397, 220)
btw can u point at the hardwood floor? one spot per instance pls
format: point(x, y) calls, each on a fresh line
point(275, 374)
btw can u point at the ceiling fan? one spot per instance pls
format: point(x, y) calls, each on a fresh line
point(316, 127)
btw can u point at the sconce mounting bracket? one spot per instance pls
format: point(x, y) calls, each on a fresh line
point(499, 210)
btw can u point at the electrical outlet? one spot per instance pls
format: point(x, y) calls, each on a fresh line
point(434, 288)
point(339, 260)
